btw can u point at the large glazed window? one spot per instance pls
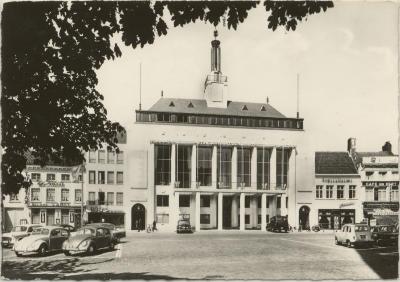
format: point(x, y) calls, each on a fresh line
point(244, 167)
point(282, 166)
point(183, 166)
point(204, 165)
point(263, 166)
point(224, 165)
point(162, 164)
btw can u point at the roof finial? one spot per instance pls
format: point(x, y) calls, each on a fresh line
point(267, 100)
point(162, 93)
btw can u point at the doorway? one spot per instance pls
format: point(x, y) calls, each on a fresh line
point(226, 212)
point(138, 217)
point(304, 220)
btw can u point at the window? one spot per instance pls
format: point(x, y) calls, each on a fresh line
point(287, 202)
point(110, 177)
point(259, 219)
point(35, 194)
point(318, 192)
point(247, 219)
point(92, 156)
point(244, 167)
point(369, 194)
point(263, 164)
point(259, 202)
point(329, 191)
point(14, 197)
point(120, 157)
point(246, 202)
point(92, 177)
point(110, 198)
point(204, 164)
point(120, 177)
point(184, 201)
point(204, 201)
point(268, 199)
point(204, 218)
point(394, 194)
point(282, 166)
point(102, 198)
point(278, 202)
point(35, 176)
point(64, 195)
point(183, 166)
point(50, 194)
point(162, 218)
point(224, 167)
point(120, 198)
point(162, 201)
point(78, 195)
point(110, 157)
point(380, 194)
point(65, 177)
point(101, 177)
point(92, 200)
point(162, 164)
point(102, 156)
point(340, 192)
point(50, 177)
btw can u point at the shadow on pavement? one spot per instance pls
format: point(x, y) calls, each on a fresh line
point(384, 261)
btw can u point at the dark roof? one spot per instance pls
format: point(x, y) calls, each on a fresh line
point(359, 155)
point(197, 106)
point(32, 160)
point(334, 163)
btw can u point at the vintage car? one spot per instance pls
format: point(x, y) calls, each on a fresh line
point(354, 235)
point(42, 241)
point(184, 227)
point(88, 240)
point(278, 224)
point(384, 234)
point(17, 233)
point(116, 232)
point(70, 228)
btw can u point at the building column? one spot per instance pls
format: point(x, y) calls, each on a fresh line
point(242, 211)
point(272, 205)
point(263, 212)
point(151, 191)
point(193, 175)
point(254, 168)
point(175, 210)
point(388, 193)
point(235, 183)
point(214, 165)
point(197, 213)
point(173, 165)
point(291, 190)
point(272, 169)
point(220, 209)
point(234, 212)
point(254, 211)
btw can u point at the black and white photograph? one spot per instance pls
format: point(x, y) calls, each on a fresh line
point(200, 140)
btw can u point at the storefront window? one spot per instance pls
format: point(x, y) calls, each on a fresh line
point(204, 164)
point(204, 219)
point(335, 218)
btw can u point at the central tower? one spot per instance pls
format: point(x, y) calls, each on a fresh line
point(216, 85)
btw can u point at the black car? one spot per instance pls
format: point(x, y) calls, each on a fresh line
point(384, 234)
point(184, 227)
point(278, 224)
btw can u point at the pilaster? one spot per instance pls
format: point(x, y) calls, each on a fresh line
point(263, 212)
point(214, 167)
point(235, 183)
point(173, 164)
point(254, 168)
point(220, 203)
point(194, 167)
point(272, 171)
point(242, 211)
point(197, 213)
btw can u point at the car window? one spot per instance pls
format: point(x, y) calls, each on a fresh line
point(100, 232)
point(85, 231)
point(30, 229)
point(44, 231)
point(106, 231)
point(19, 229)
point(64, 233)
point(55, 232)
point(361, 228)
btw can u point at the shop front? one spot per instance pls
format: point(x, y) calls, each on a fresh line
point(381, 213)
point(335, 218)
point(99, 214)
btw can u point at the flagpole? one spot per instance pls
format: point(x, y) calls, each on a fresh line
point(82, 198)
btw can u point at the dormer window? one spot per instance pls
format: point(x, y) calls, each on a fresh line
point(244, 108)
point(172, 104)
point(190, 105)
point(262, 109)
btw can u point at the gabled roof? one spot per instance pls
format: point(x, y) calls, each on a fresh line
point(334, 163)
point(200, 107)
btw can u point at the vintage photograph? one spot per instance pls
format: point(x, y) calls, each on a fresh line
point(199, 140)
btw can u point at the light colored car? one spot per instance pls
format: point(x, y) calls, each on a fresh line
point(354, 235)
point(42, 241)
point(116, 232)
point(17, 233)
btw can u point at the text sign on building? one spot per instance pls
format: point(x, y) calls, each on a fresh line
point(336, 180)
point(51, 184)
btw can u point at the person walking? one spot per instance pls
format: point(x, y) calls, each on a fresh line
point(154, 225)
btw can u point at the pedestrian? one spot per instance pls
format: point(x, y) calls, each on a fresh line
point(139, 224)
point(154, 225)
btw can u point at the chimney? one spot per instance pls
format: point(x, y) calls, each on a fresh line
point(351, 145)
point(387, 147)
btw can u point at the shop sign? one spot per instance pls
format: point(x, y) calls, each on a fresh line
point(336, 180)
point(51, 184)
point(97, 209)
point(380, 205)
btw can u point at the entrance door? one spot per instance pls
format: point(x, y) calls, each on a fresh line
point(138, 217)
point(50, 217)
point(226, 212)
point(304, 221)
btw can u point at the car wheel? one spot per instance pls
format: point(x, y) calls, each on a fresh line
point(91, 250)
point(112, 246)
point(17, 254)
point(348, 244)
point(67, 253)
point(42, 250)
point(336, 241)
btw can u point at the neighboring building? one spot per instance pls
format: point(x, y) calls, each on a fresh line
point(380, 180)
point(220, 164)
point(14, 211)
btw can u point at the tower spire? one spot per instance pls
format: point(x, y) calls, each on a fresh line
point(215, 54)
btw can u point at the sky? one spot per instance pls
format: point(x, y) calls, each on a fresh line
point(346, 59)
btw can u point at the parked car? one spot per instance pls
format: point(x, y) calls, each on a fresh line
point(278, 224)
point(184, 227)
point(88, 240)
point(70, 228)
point(116, 232)
point(42, 241)
point(17, 233)
point(354, 235)
point(384, 234)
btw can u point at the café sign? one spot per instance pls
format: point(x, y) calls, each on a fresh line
point(51, 184)
point(336, 180)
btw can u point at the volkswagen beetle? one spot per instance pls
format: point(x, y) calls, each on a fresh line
point(88, 240)
point(17, 233)
point(46, 239)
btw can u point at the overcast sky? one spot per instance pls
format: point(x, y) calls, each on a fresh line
point(346, 59)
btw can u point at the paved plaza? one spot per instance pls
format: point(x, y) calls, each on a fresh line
point(213, 255)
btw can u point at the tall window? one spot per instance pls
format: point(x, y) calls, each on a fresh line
point(224, 167)
point(64, 195)
point(92, 156)
point(110, 177)
point(50, 177)
point(120, 157)
point(278, 202)
point(380, 194)
point(101, 177)
point(50, 194)
point(394, 196)
point(78, 195)
point(35, 176)
point(102, 156)
point(102, 197)
point(183, 166)
point(162, 201)
point(92, 177)
point(65, 177)
point(110, 157)
point(318, 192)
point(352, 192)
point(110, 198)
point(120, 177)
point(263, 165)
point(35, 196)
point(244, 167)
point(163, 164)
point(92, 200)
point(329, 191)
point(120, 198)
point(204, 165)
point(184, 201)
point(340, 192)
point(369, 194)
point(282, 166)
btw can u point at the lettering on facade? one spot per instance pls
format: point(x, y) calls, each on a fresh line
point(51, 184)
point(336, 180)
